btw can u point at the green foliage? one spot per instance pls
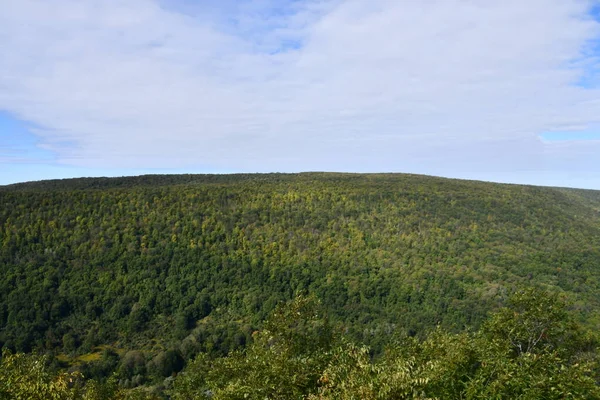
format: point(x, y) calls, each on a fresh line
point(166, 363)
point(487, 364)
point(352, 375)
point(177, 266)
point(299, 356)
point(28, 378)
point(283, 362)
point(535, 323)
point(493, 363)
point(534, 349)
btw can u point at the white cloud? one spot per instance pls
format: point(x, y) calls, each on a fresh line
point(430, 86)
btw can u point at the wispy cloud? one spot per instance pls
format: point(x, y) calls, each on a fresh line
point(425, 86)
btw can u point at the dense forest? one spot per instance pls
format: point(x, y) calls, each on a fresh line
point(126, 280)
point(530, 350)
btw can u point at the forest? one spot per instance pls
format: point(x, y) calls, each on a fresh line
point(142, 286)
point(532, 349)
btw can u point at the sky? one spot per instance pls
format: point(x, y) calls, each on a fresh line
point(505, 91)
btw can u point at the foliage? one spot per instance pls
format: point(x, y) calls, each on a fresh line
point(299, 356)
point(488, 364)
point(283, 362)
point(29, 377)
point(162, 269)
point(23, 377)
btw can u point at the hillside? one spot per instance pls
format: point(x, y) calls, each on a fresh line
point(195, 263)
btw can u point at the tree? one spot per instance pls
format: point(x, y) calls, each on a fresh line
point(284, 361)
point(529, 350)
point(28, 377)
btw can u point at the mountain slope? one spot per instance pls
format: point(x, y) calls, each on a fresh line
point(197, 261)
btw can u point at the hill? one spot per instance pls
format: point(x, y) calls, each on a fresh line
point(195, 263)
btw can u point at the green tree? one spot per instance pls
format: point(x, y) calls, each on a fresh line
point(530, 350)
point(24, 377)
point(284, 361)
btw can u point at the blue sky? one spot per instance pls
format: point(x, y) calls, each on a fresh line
point(577, 135)
point(477, 90)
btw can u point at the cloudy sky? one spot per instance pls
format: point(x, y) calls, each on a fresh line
point(504, 91)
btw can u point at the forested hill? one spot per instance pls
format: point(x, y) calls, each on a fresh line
point(194, 263)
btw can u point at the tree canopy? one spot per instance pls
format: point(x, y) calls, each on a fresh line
point(138, 276)
point(532, 349)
